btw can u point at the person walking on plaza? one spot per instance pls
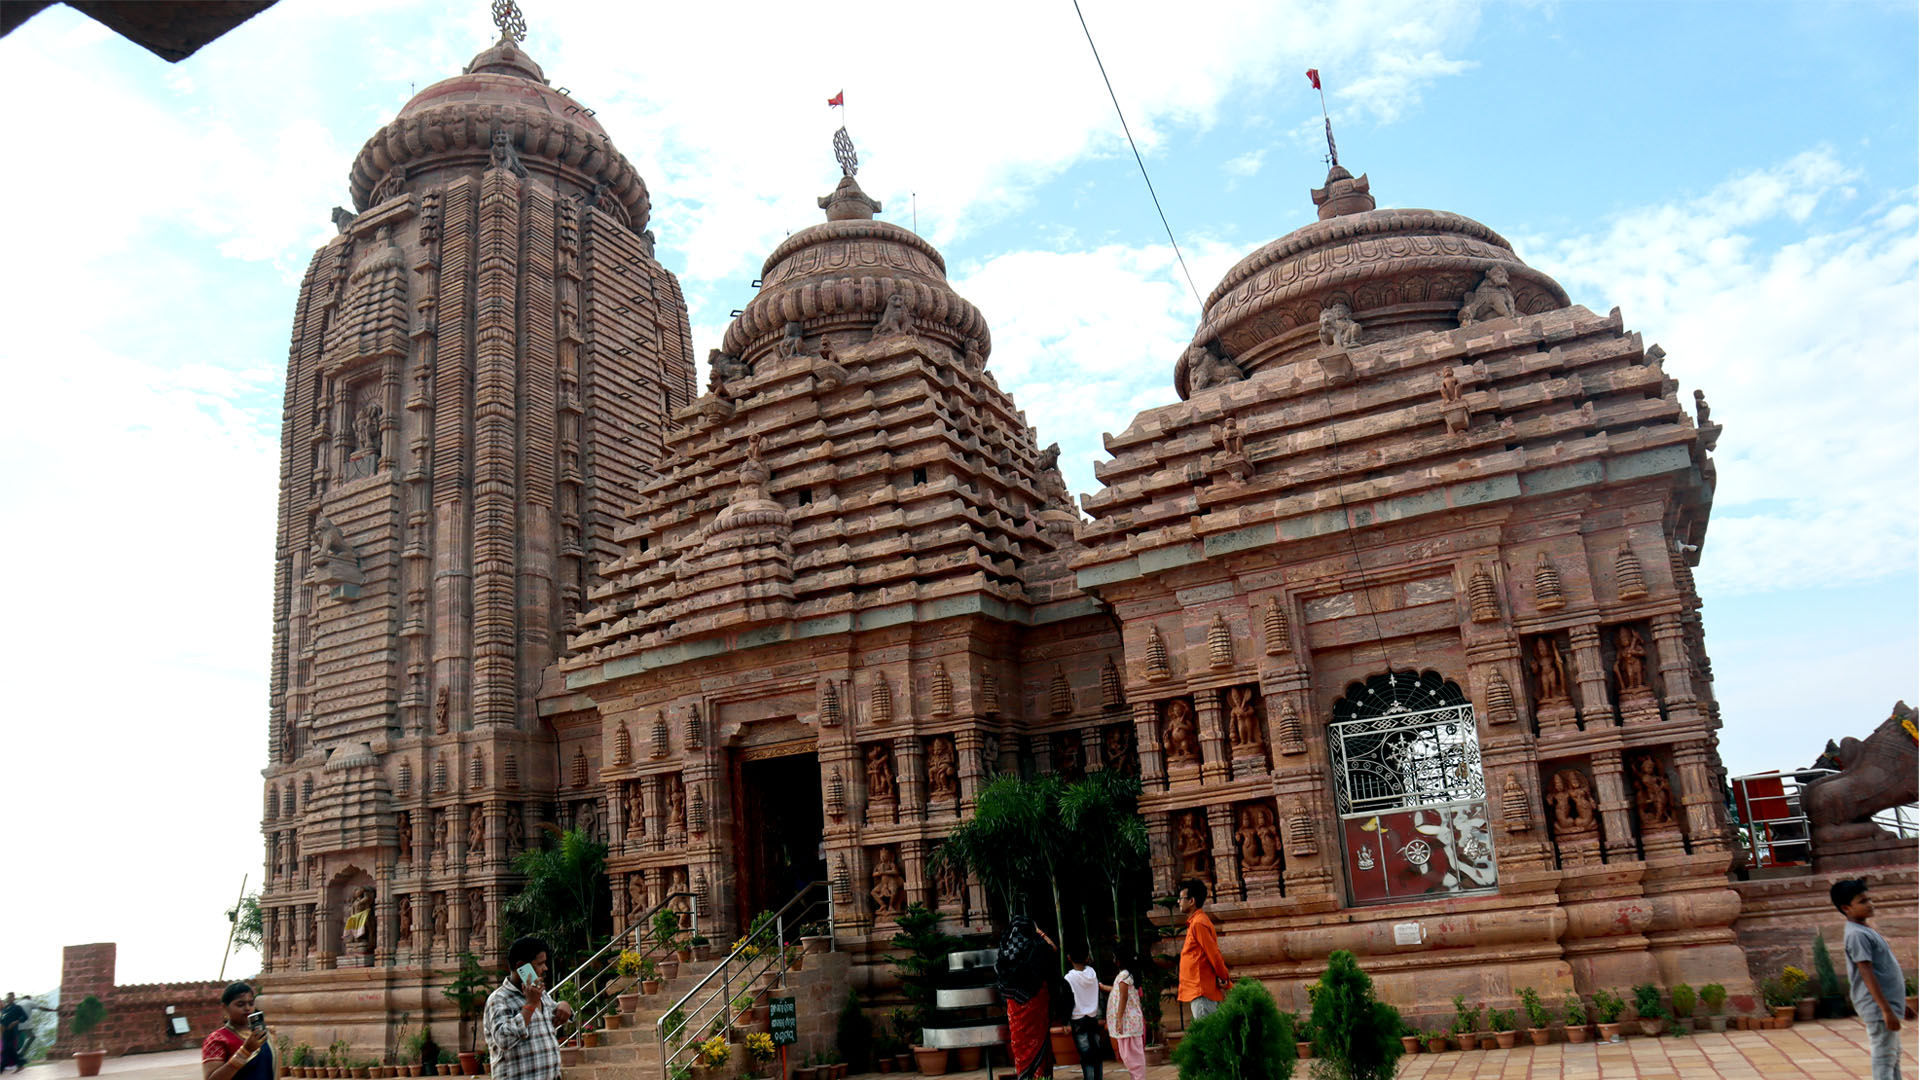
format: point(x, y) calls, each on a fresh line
point(1022, 971)
point(1203, 974)
point(1085, 1017)
point(13, 1020)
point(236, 1050)
point(1873, 976)
point(520, 1017)
point(1126, 1025)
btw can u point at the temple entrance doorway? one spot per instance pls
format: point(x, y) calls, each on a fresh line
point(782, 826)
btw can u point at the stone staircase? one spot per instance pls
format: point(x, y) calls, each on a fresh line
point(632, 1051)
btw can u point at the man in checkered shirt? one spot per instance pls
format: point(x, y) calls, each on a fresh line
point(520, 1019)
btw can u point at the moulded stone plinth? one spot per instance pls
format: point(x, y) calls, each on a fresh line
point(881, 811)
point(1639, 707)
point(1557, 717)
point(1246, 768)
point(1184, 772)
point(1580, 849)
point(1662, 842)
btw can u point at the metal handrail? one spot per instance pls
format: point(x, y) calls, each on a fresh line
point(760, 957)
point(1762, 840)
point(598, 1002)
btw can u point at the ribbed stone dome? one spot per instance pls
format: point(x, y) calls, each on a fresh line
point(1400, 272)
point(838, 275)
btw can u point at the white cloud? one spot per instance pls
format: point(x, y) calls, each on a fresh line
point(1245, 165)
point(1796, 313)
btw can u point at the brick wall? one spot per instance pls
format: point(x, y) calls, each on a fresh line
point(136, 1020)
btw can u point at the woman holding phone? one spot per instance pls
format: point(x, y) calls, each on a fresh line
point(237, 1049)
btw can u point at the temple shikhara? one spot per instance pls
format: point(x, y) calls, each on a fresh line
point(1390, 606)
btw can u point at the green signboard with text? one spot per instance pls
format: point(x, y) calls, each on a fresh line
point(784, 1021)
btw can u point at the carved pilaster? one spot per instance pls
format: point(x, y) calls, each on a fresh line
point(1226, 854)
point(1699, 796)
point(1160, 849)
point(910, 774)
point(1670, 655)
point(972, 772)
point(1590, 674)
point(1146, 737)
point(1213, 736)
point(1615, 805)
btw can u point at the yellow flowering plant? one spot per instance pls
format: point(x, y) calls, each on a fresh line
point(715, 1052)
point(760, 1047)
point(629, 963)
point(1792, 978)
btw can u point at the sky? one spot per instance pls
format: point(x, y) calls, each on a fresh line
point(1739, 179)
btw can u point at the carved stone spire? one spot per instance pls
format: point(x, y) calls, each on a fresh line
point(659, 743)
point(1059, 693)
point(829, 704)
point(1482, 599)
point(942, 691)
point(622, 745)
point(1293, 736)
point(1279, 634)
point(1111, 694)
point(1515, 814)
point(1500, 707)
point(1628, 578)
point(880, 700)
point(1157, 667)
point(1546, 585)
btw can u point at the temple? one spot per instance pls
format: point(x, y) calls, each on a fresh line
point(1390, 608)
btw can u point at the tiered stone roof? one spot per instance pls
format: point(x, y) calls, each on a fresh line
point(858, 467)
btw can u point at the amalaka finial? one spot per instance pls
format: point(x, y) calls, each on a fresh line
point(512, 24)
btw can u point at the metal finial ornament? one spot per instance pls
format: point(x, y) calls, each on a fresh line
point(506, 16)
point(843, 152)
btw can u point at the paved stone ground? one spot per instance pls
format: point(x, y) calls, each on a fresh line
point(1827, 1050)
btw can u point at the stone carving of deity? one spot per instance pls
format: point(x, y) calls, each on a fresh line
point(948, 882)
point(636, 895)
point(889, 890)
point(440, 832)
point(1267, 827)
point(476, 832)
point(516, 833)
point(895, 319)
point(357, 926)
point(1449, 386)
point(1243, 723)
point(793, 342)
point(1629, 660)
point(1183, 742)
point(1571, 798)
point(636, 812)
point(1066, 756)
point(1491, 299)
point(477, 914)
point(677, 888)
point(943, 776)
point(676, 805)
point(1548, 675)
point(1337, 328)
point(1195, 852)
point(439, 917)
point(440, 710)
point(1114, 747)
point(1206, 368)
point(1652, 794)
point(879, 773)
point(403, 833)
point(586, 818)
point(366, 429)
point(405, 913)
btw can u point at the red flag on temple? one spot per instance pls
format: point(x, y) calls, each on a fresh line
point(841, 98)
point(1313, 76)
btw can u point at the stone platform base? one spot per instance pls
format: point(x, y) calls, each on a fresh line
point(1779, 916)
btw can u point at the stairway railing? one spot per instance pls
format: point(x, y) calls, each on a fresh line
point(594, 980)
point(708, 1008)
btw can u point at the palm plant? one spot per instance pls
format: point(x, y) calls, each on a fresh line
point(565, 897)
point(1101, 812)
point(1011, 840)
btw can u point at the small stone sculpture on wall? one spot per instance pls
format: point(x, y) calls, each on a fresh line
point(1243, 720)
point(948, 884)
point(676, 804)
point(1066, 756)
point(889, 890)
point(1629, 660)
point(1183, 736)
point(1207, 368)
point(441, 833)
point(636, 895)
point(879, 773)
point(1116, 748)
point(476, 832)
point(1652, 795)
point(1491, 299)
point(1258, 840)
point(439, 917)
point(1571, 799)
point(1548, 676)
point(1194, 850)
point(943, 776)
point(895, 319)
point(1338, 330)
point(404, 912)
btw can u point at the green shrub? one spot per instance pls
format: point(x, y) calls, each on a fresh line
point(1538, 1015)
point(1823, 973)
point(1355, 1035)
point(1776, 993)
point(1646, 1002)
point(1683, 1000)
point(1607, 1006)
point(1575, 1011)
point(87, 1015)
point(855, 1034)
point(1465, 1021)
point(1714, 996)
point(1246, 1038)
point(1500, 1020)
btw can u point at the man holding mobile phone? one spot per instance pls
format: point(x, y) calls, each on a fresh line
point(521, 1017)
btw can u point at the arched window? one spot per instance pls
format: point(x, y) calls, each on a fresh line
point(1408, 787)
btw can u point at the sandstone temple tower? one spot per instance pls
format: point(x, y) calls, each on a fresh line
point(482, 367)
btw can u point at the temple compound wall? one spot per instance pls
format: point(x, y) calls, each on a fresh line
point(1391, 610)
point(139, 1016)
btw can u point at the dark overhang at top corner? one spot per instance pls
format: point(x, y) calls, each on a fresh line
point(170, 29)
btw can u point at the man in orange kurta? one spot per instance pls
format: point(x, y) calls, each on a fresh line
point(1203, 974)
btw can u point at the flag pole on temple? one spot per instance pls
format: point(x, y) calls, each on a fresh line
point(1333, 153)
point(843, 142)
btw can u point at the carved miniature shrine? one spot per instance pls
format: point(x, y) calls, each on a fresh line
point(1391, 611)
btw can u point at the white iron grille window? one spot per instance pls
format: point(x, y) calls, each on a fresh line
point(1409, 759)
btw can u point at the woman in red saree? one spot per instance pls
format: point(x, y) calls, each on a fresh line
point(1026, 964)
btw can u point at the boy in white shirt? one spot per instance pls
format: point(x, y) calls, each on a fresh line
point(1086, 987)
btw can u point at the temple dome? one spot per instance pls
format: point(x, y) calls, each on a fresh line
point(451, 124)
point(837, 276)
point(1400, 272)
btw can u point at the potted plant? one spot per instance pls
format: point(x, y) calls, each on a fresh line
point(1683, 1000)
point(1607, 1007)
point(1795, 982)
point(1538, 1016)
point(448, 1062)
point(1833, 989)
point(87, 1016)
point(1466, 1024)
point(649, 980)
point(1065, 1053)
point(468, 991)
point(760, 1051)
point(1501, 1021)
point(1779, 1001)
point(1575, 1015)
point(612, 1017)
point(1436, 1041)
point(700, 947)
point(814, 938)
point(666, 930)
point(1409, 1038)
point(1647, 1009)
point(714, 1052)
point(337, 1058)
point(1303, 1038)
point(1714, 997)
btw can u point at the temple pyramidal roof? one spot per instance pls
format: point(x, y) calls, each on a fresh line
point(854, 464)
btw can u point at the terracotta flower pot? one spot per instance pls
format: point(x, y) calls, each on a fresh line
point(1487, 1041)
point(569, 1056)
point(413, 1069)
point(469, 1063)
point(1540, 1036)
point(669, 970)
point(796, 959)
point(815, 943)
point(1717, 1022)
point(903, 1060)
point(932, 1062)
point(630, 1001)
point(1466, 1040)
point(650, 987)
point(1158, 1054)
point(613, 1021)
point(1436, 1044)
point(839, 1070)
point(589, 1038)
point(88, 1061)
point(685, 955)
point(1505, 1039)
point(885, 1064)
point(701, 953)
point(1410, 1044)
point(1064, 1052)
point(1651, 1025)
point(1783, 1012)
point(1803, 1009)
point(966, 1058)
point(1610, 1032)
point(1577, 1033)
point(805, 1072)
point(1303, 1050)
